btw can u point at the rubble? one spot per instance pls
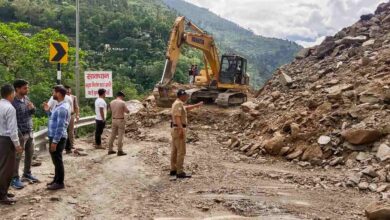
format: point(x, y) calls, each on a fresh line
point(329, 107)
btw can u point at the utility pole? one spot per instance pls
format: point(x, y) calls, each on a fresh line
point(77, 66)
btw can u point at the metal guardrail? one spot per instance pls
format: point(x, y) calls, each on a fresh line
point(40, 137)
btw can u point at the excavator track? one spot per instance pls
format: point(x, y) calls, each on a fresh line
point(221, 98)
point(227, 99)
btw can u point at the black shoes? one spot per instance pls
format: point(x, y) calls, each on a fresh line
point(121, 153)
point(7, 201)
point(55, 186)
point(10, 195)
point(111, 152)
point(173, 173)
point(183, 175)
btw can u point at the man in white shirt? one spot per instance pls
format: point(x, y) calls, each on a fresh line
point(52, 103)
point(9, 142)
point(101, 114)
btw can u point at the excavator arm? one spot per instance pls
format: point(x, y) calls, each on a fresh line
point(199, 40)
point(224, 86)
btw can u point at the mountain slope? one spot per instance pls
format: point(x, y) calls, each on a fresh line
point(264, 54)
point(128, 37)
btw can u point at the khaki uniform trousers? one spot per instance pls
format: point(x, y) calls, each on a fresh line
point(118, 129)
point(71, 130)
point(178, 150)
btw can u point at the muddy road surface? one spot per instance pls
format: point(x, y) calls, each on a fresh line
point(225, 184)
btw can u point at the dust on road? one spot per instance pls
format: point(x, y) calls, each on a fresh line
point(225, 185)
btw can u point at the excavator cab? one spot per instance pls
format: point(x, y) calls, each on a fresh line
point(233, 70)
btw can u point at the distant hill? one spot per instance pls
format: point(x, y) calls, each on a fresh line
point(264, 54)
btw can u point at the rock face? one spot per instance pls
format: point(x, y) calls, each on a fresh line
point(361, 136)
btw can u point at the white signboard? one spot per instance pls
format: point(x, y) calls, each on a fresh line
point(95, 80)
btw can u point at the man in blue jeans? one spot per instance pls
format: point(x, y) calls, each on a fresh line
point(57, 133)
point(25, 109)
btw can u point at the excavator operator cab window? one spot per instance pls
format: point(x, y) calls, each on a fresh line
point(233, 70)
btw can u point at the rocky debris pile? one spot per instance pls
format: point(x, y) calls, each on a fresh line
point(330, 107)
point(143, 115)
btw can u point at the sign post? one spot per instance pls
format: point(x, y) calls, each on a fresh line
point(95, 80)
point(58, 54)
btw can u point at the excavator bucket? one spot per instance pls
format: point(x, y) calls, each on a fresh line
point(164, 96)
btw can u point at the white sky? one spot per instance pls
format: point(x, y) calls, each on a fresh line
point(303, 21)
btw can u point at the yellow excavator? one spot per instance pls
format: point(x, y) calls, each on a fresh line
point(223, 80)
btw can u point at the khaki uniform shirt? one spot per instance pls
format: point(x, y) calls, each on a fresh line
point(118, 108)
point(178, 109)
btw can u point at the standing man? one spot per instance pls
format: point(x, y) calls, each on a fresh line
point(196, 71)
point(118, 108)
point(9, 142)
point(57, 133)
point(191, 74)
point(24, 112)
point(178, 132)
point(74, 118)
point(101, 113)
point(53, 103)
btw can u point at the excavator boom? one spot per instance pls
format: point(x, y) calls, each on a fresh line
point(199, 40)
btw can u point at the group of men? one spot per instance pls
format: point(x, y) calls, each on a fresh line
point(192, 73)
point(16, 132)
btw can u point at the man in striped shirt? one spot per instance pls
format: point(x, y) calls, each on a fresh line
point(9, 142)
point(57, 133)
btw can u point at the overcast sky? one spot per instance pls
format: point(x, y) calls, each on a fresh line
point(303, 21)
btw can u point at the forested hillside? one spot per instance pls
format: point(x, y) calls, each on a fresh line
point(126, 36)
point(264, 54)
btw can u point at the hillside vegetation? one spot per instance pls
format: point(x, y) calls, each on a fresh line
point(126, 36)
point(264, 54)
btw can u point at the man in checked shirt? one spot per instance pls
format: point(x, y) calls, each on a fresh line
point(57, 133)
point(24, 112)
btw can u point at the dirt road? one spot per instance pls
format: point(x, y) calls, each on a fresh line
point(225, 185)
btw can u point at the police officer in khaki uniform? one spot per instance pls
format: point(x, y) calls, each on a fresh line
point(178, 132)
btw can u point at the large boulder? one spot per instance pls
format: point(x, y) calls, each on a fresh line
point(366, 17)
point(285, 79)
point(378, 211)
point(305, 52)
point(361, 135)
point(382, 8)
point(383, 152)
point(351, 40)
point(312, 153)
point(248, 106)
point(275, 144)
point(325, 48)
